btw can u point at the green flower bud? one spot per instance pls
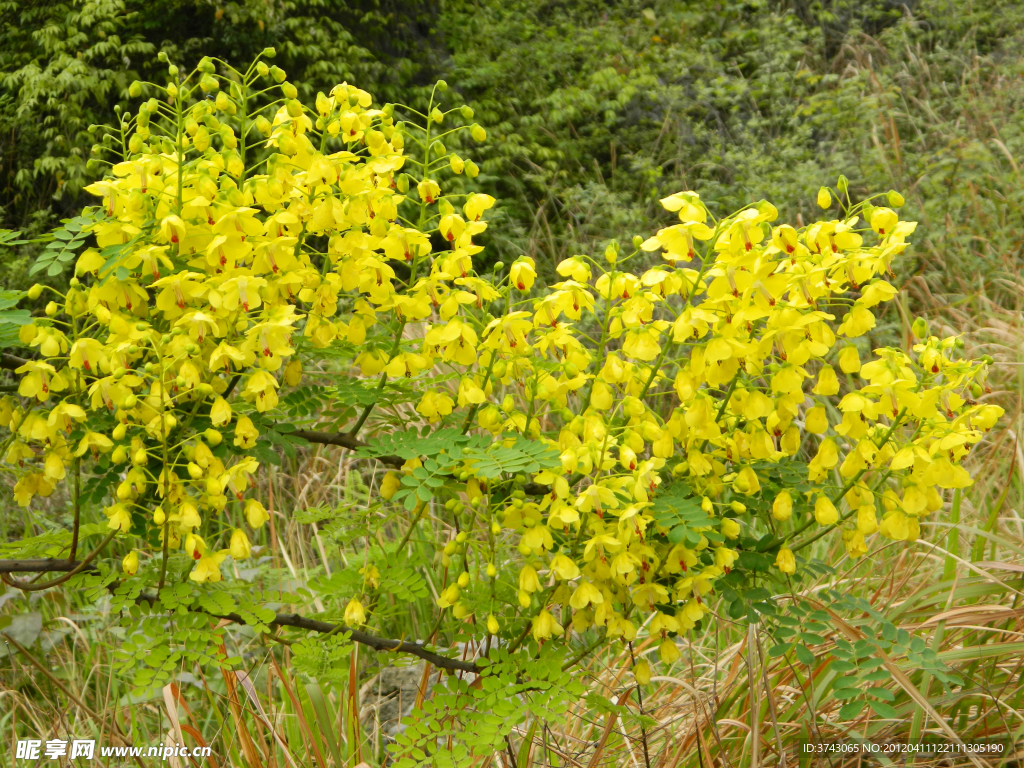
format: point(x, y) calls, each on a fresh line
point(920, 328)
point(895, 199)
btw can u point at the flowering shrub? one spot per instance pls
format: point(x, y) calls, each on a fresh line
point(614, 445)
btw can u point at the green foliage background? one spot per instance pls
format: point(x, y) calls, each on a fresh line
point(596, 109)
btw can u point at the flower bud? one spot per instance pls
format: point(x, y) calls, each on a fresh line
point(35, 291)
point(240, 547)
point(389, 487)
point(782, 507)
point(213, 437)
point(824, 198)
point(478, 133)
point(842, 184)
point(920, 328)
point(463, 579)
point(130, 564)
point(642, 672)
point(825, 512)
point(51, 309)
point(895, 199)
point(492, 625)
point(785, 561)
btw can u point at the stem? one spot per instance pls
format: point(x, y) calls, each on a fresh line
point(640, 705)
point(78, 509)
point(38, 587)
point(472, 411)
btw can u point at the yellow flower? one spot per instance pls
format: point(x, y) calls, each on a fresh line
point(355, 615)
point(240, 548)
point(523, 273)
point(867, 522)
point(428, 190)
point(255, 513)
point(785, 561)
point(119, 518)
point(585, 594)
point(564, 567)
point(220, 412)
point(849, 360)
point(816, 421)
point(245, 433)
point(824, 198)
point(130, 563)
point(669, 651)
point(854, 543)
point(824, 511)
point(293, 373)
point(782, 507)
point(642, 672)
point(528, 581)
point(435, 405)
point(390, 485)
point(883, 220)
point(208, 567)
point(828, 382)
point(544, 626)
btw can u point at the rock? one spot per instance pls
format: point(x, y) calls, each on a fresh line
point(389, 696)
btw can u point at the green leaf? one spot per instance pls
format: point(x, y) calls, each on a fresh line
point(410, 445)
point(851, 709)
point(882, 709)
point(804, 654)
point(522, 456)
point(779, 650)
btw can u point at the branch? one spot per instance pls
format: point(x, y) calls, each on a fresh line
point(343, 440)
point(40, 566)
point(40, 586)
point(280, 620)
point(358, 636)
point(10, 362)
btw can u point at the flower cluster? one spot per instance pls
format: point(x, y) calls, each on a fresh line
point(237, 241)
